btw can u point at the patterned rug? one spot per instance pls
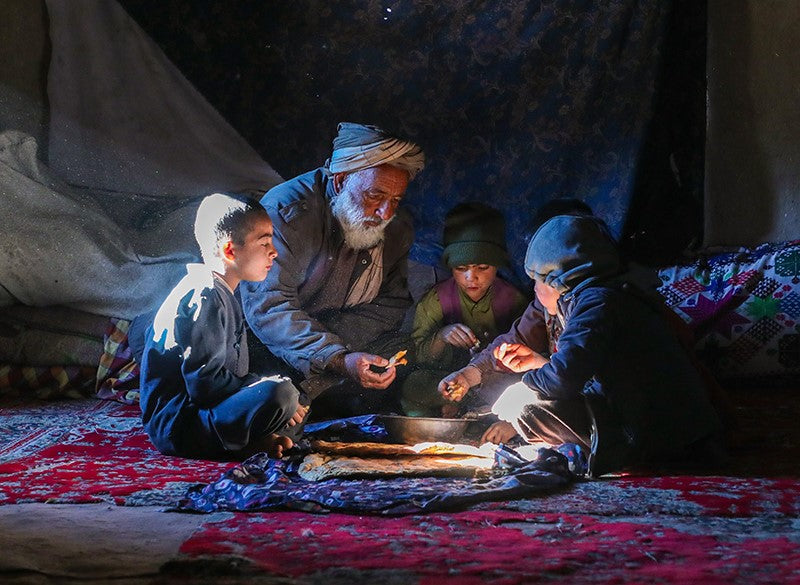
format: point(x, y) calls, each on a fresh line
point(506, 544)
point(628, 529)
point(87, 450)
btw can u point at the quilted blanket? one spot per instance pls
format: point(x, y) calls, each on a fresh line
point(744, 308)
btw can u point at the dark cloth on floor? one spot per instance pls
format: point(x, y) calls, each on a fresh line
point(197, 397)
point(261, 484)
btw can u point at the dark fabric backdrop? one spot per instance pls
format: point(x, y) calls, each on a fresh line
point(516, 102)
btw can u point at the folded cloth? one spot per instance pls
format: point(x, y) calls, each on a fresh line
point(355, 428)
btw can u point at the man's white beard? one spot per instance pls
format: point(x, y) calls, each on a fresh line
point(356, 235)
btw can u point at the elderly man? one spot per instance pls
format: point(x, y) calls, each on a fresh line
point(332, 305)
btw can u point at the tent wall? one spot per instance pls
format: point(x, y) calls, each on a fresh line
point(24, 58)
point(515, 103)
point(105, 151)
point(753, 147)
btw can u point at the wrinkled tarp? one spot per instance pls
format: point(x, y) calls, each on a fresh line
point(106, 226)
point(124, 118)
point(59, 247)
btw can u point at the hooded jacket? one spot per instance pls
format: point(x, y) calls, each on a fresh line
point(616, 344)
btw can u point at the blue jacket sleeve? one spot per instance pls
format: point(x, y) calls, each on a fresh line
point(528, 330)
point(272, 307)
point(582, 348)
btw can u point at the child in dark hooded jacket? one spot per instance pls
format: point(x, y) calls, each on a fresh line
point(620, 384)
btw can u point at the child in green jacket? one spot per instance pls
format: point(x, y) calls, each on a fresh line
point(463, 313)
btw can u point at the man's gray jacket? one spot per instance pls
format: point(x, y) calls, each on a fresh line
point(298, 312)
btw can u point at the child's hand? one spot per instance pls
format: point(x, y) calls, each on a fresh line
point(518, 358)
point(454, 387)
point(499, 432)
point(458, 335)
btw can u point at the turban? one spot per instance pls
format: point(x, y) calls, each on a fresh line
point(358, 147)
point(570, 249)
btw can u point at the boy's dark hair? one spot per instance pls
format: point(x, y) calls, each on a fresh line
point(221, 217)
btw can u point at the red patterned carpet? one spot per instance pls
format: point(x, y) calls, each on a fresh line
point(82, 451)
point(679, 529)
point(509, 547)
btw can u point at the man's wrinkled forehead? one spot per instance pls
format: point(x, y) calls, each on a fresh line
point(384, 180)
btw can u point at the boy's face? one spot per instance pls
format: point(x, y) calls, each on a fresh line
point(253, 259)
point(547, 296)
point(474, 279)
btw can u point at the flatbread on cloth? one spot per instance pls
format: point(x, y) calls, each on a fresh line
point(368, 449)
point(320, 466)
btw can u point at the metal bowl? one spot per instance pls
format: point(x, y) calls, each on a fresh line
point(412, 430)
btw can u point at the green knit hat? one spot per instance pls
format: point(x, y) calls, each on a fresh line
point(474, 233)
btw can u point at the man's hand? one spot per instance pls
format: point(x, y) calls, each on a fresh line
point(458, 335)
point(357, 365)
point(499, 432)
point(518, 358)
point(455, 386)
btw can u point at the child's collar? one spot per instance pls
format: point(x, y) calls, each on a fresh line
point(220, 278)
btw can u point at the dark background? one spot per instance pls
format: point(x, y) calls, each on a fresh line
point(516, 103)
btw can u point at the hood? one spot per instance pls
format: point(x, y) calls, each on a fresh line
point(568, 250)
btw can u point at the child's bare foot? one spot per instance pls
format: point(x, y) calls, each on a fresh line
point(275, 445)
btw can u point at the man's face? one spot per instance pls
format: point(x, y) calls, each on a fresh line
point(366, 202)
